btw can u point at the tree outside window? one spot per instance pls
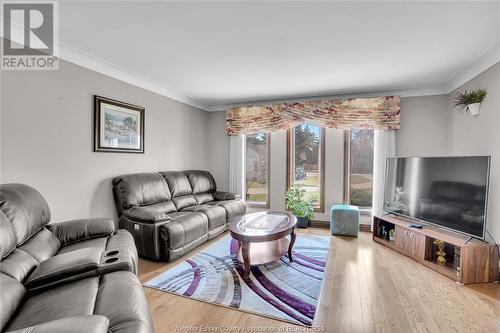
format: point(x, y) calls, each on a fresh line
point(360, 171)
point(257, 169)
point(305, 156)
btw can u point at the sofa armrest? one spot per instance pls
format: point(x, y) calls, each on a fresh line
point(65, 267)
point(75, 324)
point(219, 196)
point(146, 215)
point(78, 230)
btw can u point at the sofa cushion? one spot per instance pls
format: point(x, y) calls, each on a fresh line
point(118, 296)
point(184, 228)
point(71, 299)
point(216, 215)
point(203, 198)
point(139, 189)
point(18, 265)
point(178, 183)
point(42, 246)
point(201, 181)
point(12, 294)
point(7, 236)
point(184, 201)
point(234, 208)
point(25, 208)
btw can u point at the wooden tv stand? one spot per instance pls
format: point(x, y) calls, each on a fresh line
point(467, 260)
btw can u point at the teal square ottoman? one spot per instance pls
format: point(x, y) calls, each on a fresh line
point(344, 220)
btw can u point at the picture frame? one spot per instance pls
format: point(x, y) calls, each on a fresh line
point(118, 126)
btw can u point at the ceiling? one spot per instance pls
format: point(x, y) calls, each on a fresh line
point(214, 54)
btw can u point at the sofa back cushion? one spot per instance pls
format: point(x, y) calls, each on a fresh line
point(178, 183)
point(204, 198)
point(139, 189)
point(25, 208)
point(180, 188)
point(7, 236)
point(201, 181)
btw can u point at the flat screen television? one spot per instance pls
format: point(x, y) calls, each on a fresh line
point(449, 192)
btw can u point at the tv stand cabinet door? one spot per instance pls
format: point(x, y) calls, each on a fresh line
point(419, 245)
point(403, 241)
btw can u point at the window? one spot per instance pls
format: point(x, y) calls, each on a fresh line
point(359, 167)
point(257, 169)
point(306, 161)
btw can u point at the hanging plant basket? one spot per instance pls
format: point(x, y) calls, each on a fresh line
point(470, 101)
point(474, 109)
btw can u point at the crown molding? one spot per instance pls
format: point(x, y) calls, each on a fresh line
point(475, 67)
point(410, 92)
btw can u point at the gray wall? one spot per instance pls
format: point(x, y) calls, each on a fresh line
point(218, 148)
point(424, 126)
point(47, 130)
point(481, 135)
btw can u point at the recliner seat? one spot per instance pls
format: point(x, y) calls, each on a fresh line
point(172, 212)
point(54, 277)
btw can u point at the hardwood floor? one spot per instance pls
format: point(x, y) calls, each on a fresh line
point(367, 288)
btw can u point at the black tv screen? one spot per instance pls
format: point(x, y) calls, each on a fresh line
point(450, 192)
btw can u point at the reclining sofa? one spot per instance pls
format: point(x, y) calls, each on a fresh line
point(74, 276)
point(171, 213)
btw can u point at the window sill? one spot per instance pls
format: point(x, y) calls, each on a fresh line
point(365, 211)
point(256, 205)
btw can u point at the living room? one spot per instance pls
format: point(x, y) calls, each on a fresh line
point(147, 135)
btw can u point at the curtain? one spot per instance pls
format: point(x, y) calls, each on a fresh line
point(377, 113)
point(237, 164)
point(384, 147)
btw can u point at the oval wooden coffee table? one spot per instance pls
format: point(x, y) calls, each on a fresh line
point(262, 237)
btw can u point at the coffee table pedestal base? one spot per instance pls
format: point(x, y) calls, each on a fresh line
point(254, 254)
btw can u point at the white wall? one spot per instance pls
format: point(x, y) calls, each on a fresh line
point(481, 135)
point(47, 131)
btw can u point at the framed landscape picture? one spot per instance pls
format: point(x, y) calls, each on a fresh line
point(118, 126)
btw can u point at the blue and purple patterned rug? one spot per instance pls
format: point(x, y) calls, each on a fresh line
point(282, 290)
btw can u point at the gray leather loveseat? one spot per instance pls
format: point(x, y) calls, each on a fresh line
point(74, 276)
point(171, 213)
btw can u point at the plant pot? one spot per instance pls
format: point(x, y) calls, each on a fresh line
point(474, 108)
point(302, 222)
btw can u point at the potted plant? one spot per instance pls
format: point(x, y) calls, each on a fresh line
point(301, 207)
point(470, 101)
point(392, 232)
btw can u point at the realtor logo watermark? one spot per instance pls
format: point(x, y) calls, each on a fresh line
point(29, 31)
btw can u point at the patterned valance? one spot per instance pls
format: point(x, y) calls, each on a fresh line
point(380, 113)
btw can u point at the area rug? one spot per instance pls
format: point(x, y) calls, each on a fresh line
point(282, 290)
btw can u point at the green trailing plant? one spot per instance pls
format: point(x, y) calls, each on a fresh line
point(297, 202)
point(392, 232)
point(465, 98)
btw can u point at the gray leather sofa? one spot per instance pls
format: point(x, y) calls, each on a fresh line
point(74, 276)
point(171, 213)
